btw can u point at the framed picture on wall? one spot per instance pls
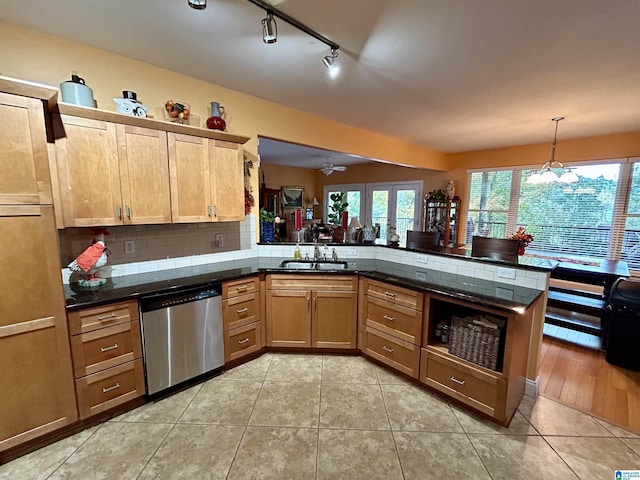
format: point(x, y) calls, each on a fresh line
point(292, 197)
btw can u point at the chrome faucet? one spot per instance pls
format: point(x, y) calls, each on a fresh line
point(334, 255)
point(316, 252)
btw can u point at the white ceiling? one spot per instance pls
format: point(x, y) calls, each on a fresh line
point(452, 75)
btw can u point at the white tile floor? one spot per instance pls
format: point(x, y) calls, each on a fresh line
point(291, 416)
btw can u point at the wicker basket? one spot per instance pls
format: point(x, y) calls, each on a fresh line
point(477, 339)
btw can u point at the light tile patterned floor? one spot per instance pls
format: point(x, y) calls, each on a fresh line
point(293, 416)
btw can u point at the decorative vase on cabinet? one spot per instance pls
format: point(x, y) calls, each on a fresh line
point(215, 121)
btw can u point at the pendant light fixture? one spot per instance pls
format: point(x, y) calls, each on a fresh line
point(269, 28)
point(546, 174)
point(197, 4)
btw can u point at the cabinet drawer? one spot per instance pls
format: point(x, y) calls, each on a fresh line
point(109, 388)
point(241, 310)
point(239, 287)
point(312, 282)
point(242, 341)
point(397, 295)
point(470, 385)
point(402, 356)
point(83, 321)
point(105, 348)
point(402, 322)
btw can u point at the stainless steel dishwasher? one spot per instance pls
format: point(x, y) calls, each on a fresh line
point(181, 335)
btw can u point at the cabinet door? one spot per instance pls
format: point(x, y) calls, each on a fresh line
point(189, 179)
point(25, 169)
point(228, 180)
point(87, 158)
point(334, 319)
point(36, 378)
point(288, 318)
point(144, 175)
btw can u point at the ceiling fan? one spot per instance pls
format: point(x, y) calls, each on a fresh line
point(328, 168)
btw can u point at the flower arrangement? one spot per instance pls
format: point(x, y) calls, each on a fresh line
point(524, 237)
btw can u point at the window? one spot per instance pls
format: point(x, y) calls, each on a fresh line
point(585, 218)
point(396, 204)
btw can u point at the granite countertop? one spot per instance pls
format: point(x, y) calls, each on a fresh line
point(473, 290)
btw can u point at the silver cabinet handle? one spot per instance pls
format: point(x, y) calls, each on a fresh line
point(107, 316)
point(215, 211)
point(119, 211)
point(244, 340)
point(308, 303)
point(241, 288)
point(390, 294)
point(128, 211)
point(387, 317)
point(106, 349)
point(459, 382)
point(108, 389)
point(315, 303)
point(242, 310)
point(209, 210)
point(387, 349)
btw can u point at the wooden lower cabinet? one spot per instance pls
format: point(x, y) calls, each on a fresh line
point(107, 356)
point(242, 318)
point(242, 341)
point(318, 311)
point(109, 388)
point(398, 354)
point(474, 386)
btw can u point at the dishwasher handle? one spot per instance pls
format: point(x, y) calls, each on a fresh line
point(157, 301)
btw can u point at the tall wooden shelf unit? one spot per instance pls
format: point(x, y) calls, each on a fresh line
point(442, 216)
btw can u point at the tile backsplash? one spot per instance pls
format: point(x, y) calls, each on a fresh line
point(154, 242)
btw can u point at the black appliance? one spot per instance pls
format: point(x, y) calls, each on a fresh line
point(624, 324)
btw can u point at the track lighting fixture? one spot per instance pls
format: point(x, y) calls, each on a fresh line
point(545, 174)
point(330, 61)
point(269, 28)
point(197, 4)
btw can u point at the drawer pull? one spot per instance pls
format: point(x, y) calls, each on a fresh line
point(107, 316)
point(387, 317)
point(244, 340)
point(459, 382)
point(108, 389)
point(242, 310)
point(390, 294)
point(106, 349)
point(387, 349)
point(242, 288)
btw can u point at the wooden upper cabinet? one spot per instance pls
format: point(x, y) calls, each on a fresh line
point(189, 175)
point(88, 171)
point(23, 156)
point(112, 174)
point(116, 169)
point(144, 175)
point(228, 180)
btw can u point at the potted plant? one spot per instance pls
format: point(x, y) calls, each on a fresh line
point(338, 206)
point(267, 228)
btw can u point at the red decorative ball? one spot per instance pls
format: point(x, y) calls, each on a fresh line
point(216, 123)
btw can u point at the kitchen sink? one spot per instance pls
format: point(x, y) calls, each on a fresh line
point(298, 264)
point(333, 265)
point(311, 265)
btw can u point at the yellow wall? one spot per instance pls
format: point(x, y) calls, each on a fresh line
point(30, 55)
point(277, 176)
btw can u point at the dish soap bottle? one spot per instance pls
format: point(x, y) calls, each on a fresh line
point(297, 254)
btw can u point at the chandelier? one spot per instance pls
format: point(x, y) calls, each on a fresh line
point(546, 174)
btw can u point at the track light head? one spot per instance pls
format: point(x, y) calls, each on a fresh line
point(269, 29)
point(197, 4)
point(330, 61)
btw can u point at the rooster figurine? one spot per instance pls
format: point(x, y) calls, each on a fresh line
point(89, 261)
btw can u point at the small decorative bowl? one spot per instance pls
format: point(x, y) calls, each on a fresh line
point(177, 111)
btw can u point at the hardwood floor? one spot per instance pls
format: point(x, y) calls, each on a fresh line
point(579, 376)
